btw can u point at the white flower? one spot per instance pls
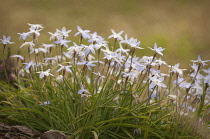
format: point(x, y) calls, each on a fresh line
point(54, 36)
point(98, 74)
point(95, 38)
point(157, 49)
point(35, 31)
point(207, 71)
point(62, 42)
point(24, 35)
point(36, 26)
point(160, 62)
point(75, 49)
point(27, 44)
point(89, 49)
point(18, 56)
point(207, 79)
point(176, 69)
point(156, 82)
point(198, 88)
point(109, 55)
point(44, 73)
point(83, 91)
point(48, 45)
point(45, 103)
point(133, 74)
point(97, 46)
point(154, 94)
point(122, 50)
point(6, 40)
point(203, 63)
point(85, 33)
point(134, 43)
point(30, 64)
point(37, 50)
point(67, 68)
point(22, 72)
point(116, 35)
point(63, 33)
point(87, 63)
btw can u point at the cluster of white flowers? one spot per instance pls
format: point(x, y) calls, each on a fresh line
point(92, 55)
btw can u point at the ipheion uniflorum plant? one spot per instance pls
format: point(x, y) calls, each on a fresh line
point(102, 88)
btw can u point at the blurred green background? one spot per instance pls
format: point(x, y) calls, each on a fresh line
point(180, 26)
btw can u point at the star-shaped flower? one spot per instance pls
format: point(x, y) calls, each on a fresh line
point(54, 36)
point(116, 35)
point(157, 49)
point(62, 42)
point(156, 81)
point(89, 49)
point(85, 33)
point(67, 68)
point(176, 69)
point(203, 63)
point(24, 35)
point(44, 73)
point(64, 33)
point(87, 63)
point(6, 40)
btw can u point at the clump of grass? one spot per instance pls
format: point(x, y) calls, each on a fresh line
point(99, 89)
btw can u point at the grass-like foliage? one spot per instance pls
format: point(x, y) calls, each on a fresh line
point(99, 89)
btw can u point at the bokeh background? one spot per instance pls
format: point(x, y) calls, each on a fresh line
point(180, 26)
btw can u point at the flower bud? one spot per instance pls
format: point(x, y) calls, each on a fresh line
point(172, 97)
point(59, 78)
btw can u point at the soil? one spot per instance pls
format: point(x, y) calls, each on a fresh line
point(22, 132)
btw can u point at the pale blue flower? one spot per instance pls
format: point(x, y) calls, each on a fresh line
point(24, 35)
point(156, 81)
point(95, 38)
point(203, 63)
point(98, 74)
point(48, 45)
point(54, 36)
point(6, 40)
point(85, 33)
point(83, 91)
point(207, 79)
point(62, 42)
point(89, 49)
point(122, 50)
point(89, 64)
point(157, 49)
point(67, 68)
point(207, 71)
point(116, 35)
point(44, 73)
point(18, 56)
point(28, 44)
point(30, 64)
point(37, 50)
point(134, 43)
point(45, 103)
point(176, 69)
point(36, 26)
point(34, 30)
point(63, 33)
